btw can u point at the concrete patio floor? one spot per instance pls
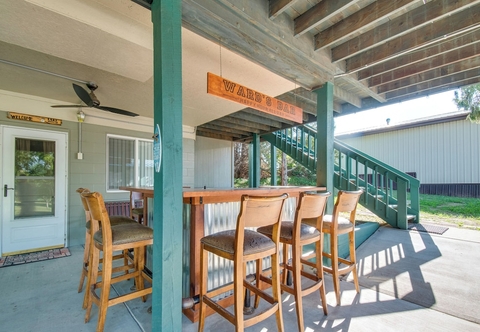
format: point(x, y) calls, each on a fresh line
point(410, 281)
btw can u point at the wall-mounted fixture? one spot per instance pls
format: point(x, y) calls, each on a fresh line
point(80, 116)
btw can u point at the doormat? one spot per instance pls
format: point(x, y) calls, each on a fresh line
point(34, 257)
point(434, 229)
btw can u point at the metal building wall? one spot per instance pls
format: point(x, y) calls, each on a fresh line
point(444, 153)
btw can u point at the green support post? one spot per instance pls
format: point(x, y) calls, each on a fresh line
point(254, 162)
point(273, 165)
point(325, 140)
point(167, 216)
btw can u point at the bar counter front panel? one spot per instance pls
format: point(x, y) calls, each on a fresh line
point(208, 211)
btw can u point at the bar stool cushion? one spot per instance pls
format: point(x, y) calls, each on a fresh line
point(343, 223)
point(115, 220)
point(126, 233)
point(225, 241)
point(286, 231)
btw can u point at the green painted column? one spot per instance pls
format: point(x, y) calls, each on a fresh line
point(325, 139)
point(273, 165)
point(254, 162)
point(167, 217)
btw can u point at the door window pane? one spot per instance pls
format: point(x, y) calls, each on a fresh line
point(34, 178)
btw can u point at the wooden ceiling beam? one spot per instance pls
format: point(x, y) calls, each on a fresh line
point(408, 59)
point(239, 127)
point(265, 116)
point(276, 7)
point(225, 130)
point(451, 69)
point(440, 89)
point(436, 83)
point(363, 19)
point(431, 33)
point(255, 125)
point(362, 86)
point(319, 13)
point(244, 115)
point(454, 56)
point(213, 134)
point(246, 29)
point(347, 96)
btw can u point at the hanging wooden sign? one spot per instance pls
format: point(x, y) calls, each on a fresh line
point(33, 118)
point(227, 89)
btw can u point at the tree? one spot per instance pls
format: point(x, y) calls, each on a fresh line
point(469, 100)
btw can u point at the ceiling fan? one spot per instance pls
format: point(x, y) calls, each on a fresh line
point(92, 101)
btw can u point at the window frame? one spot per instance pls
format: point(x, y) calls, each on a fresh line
point(136, 159)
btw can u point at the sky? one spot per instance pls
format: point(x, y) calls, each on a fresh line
point(413, 109)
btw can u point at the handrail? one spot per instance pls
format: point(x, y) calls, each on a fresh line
point(386, 188)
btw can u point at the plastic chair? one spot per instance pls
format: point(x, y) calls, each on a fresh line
point(240, 246)
point(295, 235)
point(108, 239)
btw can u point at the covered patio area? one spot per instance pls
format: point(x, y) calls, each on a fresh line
point(409, 281)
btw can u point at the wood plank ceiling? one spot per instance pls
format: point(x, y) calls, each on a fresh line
point(375, 52)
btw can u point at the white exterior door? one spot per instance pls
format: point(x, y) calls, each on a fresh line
point(34, 182)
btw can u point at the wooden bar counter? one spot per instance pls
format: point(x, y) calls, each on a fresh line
point(197, 198)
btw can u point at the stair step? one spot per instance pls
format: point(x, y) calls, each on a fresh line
point(411, 217)
point(393, 206)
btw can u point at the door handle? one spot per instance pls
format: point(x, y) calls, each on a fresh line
point(5, 192)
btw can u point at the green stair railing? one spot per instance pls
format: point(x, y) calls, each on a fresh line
point(389, 193)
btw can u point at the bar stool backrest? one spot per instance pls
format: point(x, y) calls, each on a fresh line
point(258, 211)
point(99, 216)
point(311, 206)
point(347, 201)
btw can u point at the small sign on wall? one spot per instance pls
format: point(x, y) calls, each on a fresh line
point(33, 118)
point(227, 89)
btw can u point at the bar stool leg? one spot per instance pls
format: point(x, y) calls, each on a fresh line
point(276, 292)
point(238, 270)
point(86, 253)
point(105, 290)
point(320, 274)
point(91, 280)
point(297, 286)
point(202, 287)
point(334, 262)
point(353, 260)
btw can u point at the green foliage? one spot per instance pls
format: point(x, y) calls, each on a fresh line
point(33, 163)
point(469, 100)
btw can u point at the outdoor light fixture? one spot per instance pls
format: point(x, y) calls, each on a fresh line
point(80, 116)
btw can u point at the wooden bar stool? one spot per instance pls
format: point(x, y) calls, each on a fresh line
point(240, 246)
point(336, 225)
point(295, 235)
point(114, 220)
point(108, 239)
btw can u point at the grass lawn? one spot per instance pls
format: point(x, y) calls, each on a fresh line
point(453, 211)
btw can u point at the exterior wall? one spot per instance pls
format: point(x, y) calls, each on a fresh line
point(213, 163)
point(443, 153)
point(90, 172)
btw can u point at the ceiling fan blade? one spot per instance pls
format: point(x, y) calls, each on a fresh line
point(83, 95)
point(67, 106)
point(116, 110)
